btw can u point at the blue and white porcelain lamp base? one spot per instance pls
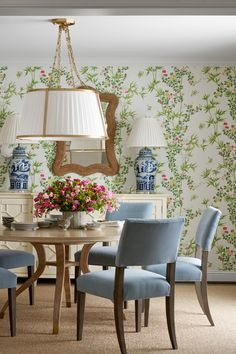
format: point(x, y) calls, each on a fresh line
point(145, 168)
point(19, 168)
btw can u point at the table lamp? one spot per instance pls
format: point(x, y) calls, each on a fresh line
point(19, 164)
point(146, 132)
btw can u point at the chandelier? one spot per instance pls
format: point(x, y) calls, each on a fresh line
point(56, 113)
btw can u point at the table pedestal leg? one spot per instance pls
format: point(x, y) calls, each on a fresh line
point(60, 275)
point(67, 286)
point(84, 257)
point(40, 268)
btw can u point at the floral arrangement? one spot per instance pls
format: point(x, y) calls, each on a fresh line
point(67, 194)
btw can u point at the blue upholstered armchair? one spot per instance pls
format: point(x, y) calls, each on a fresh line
point(105, 256)
point(194, 269)
point(8, 281)
point(142, 242)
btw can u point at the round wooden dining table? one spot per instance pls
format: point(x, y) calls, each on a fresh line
point(61, 239)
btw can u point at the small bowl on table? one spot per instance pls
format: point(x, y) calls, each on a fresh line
point(45, 224)
point(24, 226)
point(7, 220)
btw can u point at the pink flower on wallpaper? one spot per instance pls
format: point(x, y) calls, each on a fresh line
point(225, 229)
point(42, 73)
point(164, 73)
point(226, 125)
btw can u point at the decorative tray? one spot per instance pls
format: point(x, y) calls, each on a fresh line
point(24, 226)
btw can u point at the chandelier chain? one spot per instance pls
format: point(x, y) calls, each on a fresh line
point(69, 56)
point(57, 59)
point(70, 50)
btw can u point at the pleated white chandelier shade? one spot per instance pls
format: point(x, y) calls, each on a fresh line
point(146, 132)
point(62, 114)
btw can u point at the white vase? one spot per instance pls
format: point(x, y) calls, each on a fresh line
point(77, 218)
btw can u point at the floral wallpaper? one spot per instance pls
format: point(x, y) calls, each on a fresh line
point(196, 107)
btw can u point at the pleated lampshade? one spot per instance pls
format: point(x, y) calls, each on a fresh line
point(62, 114)
point(9, 133)
point(9, 130)
point(146, 132)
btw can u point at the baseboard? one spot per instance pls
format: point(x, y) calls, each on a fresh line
point(219, 276)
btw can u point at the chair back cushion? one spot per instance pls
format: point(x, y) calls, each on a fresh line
point(132, 210)
point(146, 242)
point(207, 228)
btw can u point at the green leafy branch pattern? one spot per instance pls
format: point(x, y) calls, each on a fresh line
point(196, 107)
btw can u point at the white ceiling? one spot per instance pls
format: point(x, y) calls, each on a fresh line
point(111, 39)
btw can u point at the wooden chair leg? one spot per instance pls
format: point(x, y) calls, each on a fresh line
point(205, 302)
point(171, 320)
point(138, 314)
point(118, 313)
point(31, 288)
point(80, 314)
point(12, 310)
point(199, 295)
point(146, 312)
point(125, 305)
point(77, 274)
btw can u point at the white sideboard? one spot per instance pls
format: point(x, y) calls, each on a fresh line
point(159, 201)
point(20, 206)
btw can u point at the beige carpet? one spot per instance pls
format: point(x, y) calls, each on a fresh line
point(194, 334)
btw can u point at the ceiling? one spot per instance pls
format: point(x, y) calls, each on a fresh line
point(123, 39)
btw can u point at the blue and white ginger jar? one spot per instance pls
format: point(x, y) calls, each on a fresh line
point(19, 168)
point(145, 167)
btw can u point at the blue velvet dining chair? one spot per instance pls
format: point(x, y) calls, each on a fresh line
point(8, 281)
point(194, 269)
point(142, 242)
point(105, 256)
point(11, 259)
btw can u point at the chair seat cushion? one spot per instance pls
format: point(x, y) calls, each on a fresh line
point(13, 259)
point(7, 279)
point(192, 260)
point(138, 284)
point(187, 269)
point(100, 256)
